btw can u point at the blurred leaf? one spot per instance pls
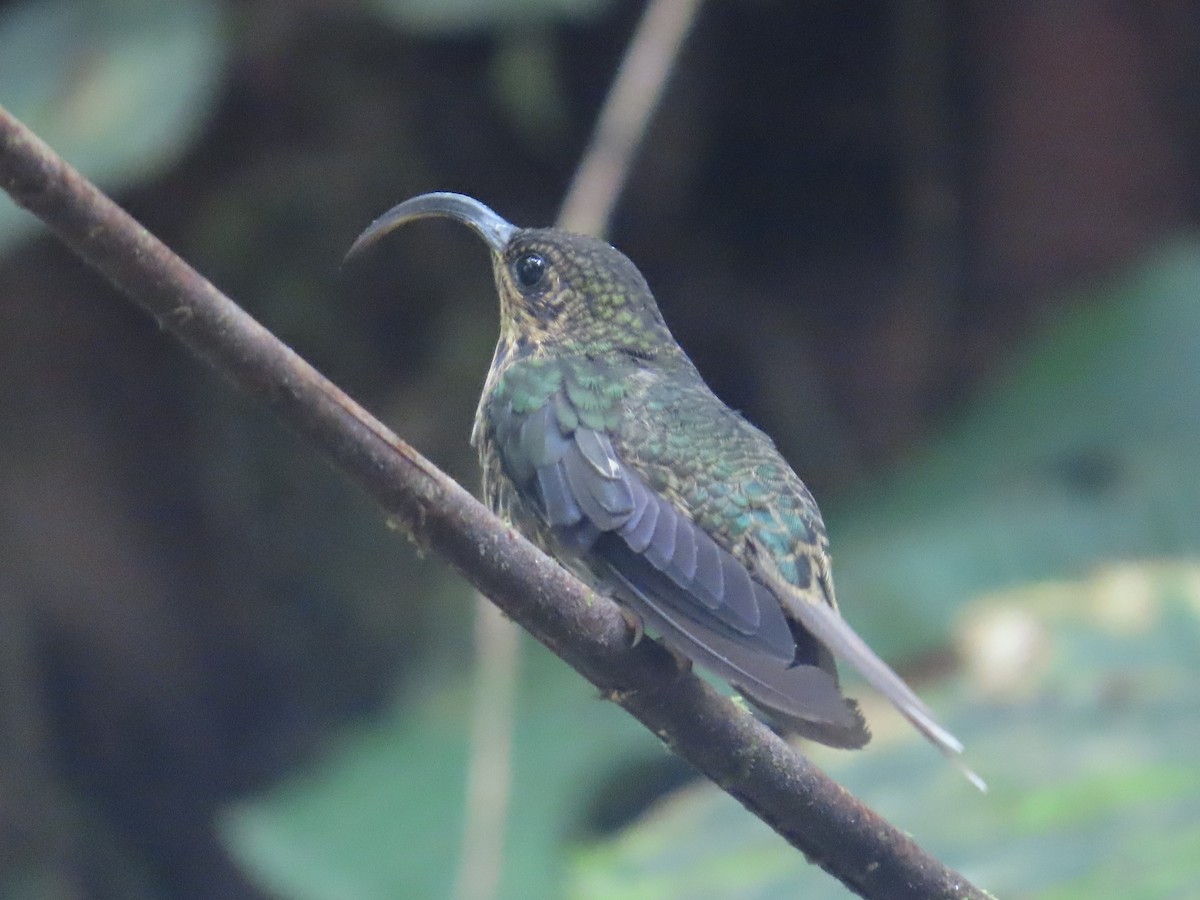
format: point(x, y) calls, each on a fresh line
point(1086, 453)
point(383, 817)
point(527, 79)
point(119, 88)
point(450, 16)
point(1095, 790)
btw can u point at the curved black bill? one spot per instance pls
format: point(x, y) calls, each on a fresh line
point(494, 230)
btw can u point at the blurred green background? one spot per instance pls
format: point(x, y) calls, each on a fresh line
point(947, 254)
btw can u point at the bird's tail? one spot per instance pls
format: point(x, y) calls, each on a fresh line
point(824, 622)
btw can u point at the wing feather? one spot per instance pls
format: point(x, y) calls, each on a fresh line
point(709, 579)
point(662, 542)
point(640, 531)
point(558, 500)
point(605, 498)
point(683, 561)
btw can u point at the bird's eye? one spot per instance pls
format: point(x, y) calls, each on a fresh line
point(530, 269)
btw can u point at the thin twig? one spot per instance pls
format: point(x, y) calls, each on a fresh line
point(772, 780)
point(489, 771)
point(635, 93)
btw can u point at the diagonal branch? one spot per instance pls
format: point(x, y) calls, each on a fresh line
point(768, 777)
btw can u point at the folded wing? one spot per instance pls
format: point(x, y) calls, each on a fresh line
point(696, 595)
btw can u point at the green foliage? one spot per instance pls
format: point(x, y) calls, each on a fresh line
point(119, 88)
point(1087, 742)
point(383, 817)
point(450, 16)
point(1085, 455)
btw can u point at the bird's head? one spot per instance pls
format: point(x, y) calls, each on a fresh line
point(559, 292)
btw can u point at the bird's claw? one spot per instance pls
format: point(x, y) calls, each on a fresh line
point(683, 662)
point(634, 621)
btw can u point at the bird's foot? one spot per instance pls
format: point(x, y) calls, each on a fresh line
point(683, 662)
point(634, 621)
point(639, 631)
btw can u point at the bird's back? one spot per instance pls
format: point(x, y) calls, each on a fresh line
point(724, 473)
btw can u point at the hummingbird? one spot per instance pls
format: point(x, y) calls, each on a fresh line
point(601, 442)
